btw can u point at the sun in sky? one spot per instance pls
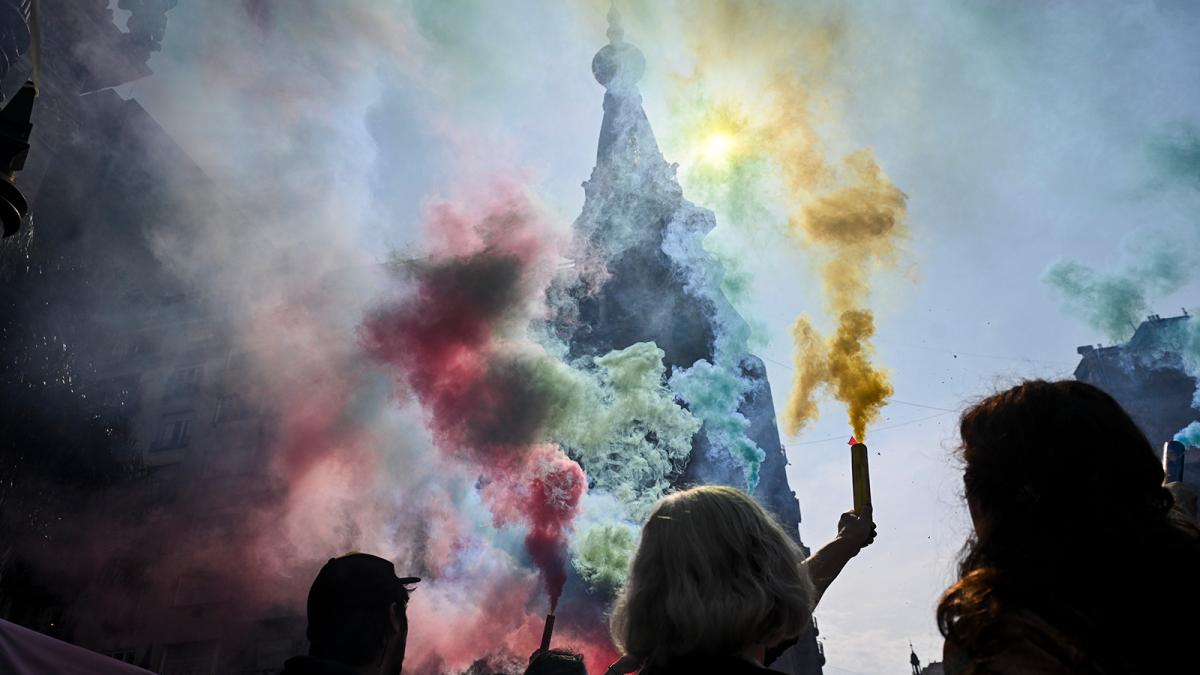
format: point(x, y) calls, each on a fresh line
point(717, 148)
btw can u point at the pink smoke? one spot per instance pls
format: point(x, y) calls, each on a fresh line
point(490, 620)
point(544, 496)
point(555, 489)
point(452, 340)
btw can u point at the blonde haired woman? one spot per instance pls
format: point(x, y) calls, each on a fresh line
point(716, 582)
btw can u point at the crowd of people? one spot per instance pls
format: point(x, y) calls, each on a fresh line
point(1080, 561)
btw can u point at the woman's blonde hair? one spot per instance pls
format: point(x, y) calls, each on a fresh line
point(713, 573)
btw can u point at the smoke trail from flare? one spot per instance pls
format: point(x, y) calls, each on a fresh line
point(1189, 435)
point(752, 117)
point(856, 229)
point(603, 553)
point(454, 340)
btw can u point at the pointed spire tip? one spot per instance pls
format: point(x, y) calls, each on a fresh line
point(615, 32)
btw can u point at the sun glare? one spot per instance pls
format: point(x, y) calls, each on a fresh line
point(717, 147)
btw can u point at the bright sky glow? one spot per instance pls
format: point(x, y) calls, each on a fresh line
point(717, 148)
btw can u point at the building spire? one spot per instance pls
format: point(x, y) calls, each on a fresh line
point(626, 140)
point(615, 33)
point(618, 65)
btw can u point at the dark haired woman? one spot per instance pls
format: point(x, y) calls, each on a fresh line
point(1076, 564)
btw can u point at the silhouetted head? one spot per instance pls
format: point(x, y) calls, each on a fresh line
point(556, 662)
point(1063, 450)
point(1071, 520)
point(713, 573)
point(356, 612)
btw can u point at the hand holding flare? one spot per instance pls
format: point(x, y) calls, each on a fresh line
point(856, 530)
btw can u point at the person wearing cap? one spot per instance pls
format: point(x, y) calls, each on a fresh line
point(556, 662)
point(357, 621)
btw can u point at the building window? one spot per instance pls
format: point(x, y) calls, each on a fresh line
point(183, 383)
point(174, 431)
point(233, 407)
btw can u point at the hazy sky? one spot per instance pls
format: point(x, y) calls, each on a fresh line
point(1022, 134)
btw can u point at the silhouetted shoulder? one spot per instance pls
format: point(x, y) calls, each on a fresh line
point(1030, 646)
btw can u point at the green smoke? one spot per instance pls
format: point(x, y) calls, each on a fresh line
point(736, 283)
point(1180, 339)
point(1178, 157)
point(478, 50)
point(617, 418)
point(1189, 435)
point(739, 186)
point(1189, 350)
point(734, 191)
point(623, 426)
point(602, 554)
point(713, 394)
point(1112, 305)
point(713, 390)
point(1115, 302)
point(615, 415)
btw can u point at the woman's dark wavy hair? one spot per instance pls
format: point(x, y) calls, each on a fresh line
point(1072, 527)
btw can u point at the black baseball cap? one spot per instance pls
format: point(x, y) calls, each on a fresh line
point(354, 581)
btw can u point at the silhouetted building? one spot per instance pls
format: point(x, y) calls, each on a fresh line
point(660, 285)
point(933, 668)
point(125, 420)
point(1148, 377)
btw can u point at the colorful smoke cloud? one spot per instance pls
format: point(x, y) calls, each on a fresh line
point(453, 340)
point(1151, 265)
point(287, 130)
point(751, 115)
point(458, 336)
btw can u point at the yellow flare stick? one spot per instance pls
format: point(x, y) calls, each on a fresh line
point(861, 476)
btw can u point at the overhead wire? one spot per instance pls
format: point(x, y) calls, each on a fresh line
point(942, 411)
point(876, 430)
point(890, 400)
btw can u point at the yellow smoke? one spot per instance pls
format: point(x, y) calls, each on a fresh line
point(856, 230)
point(758, 95)
point(856, 382)
point(810, 374)
point(842, 363)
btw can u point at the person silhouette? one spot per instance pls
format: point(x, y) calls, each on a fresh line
point(357, 619)
point(1076, 561)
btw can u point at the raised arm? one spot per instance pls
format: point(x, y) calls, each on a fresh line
point(855, 532)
